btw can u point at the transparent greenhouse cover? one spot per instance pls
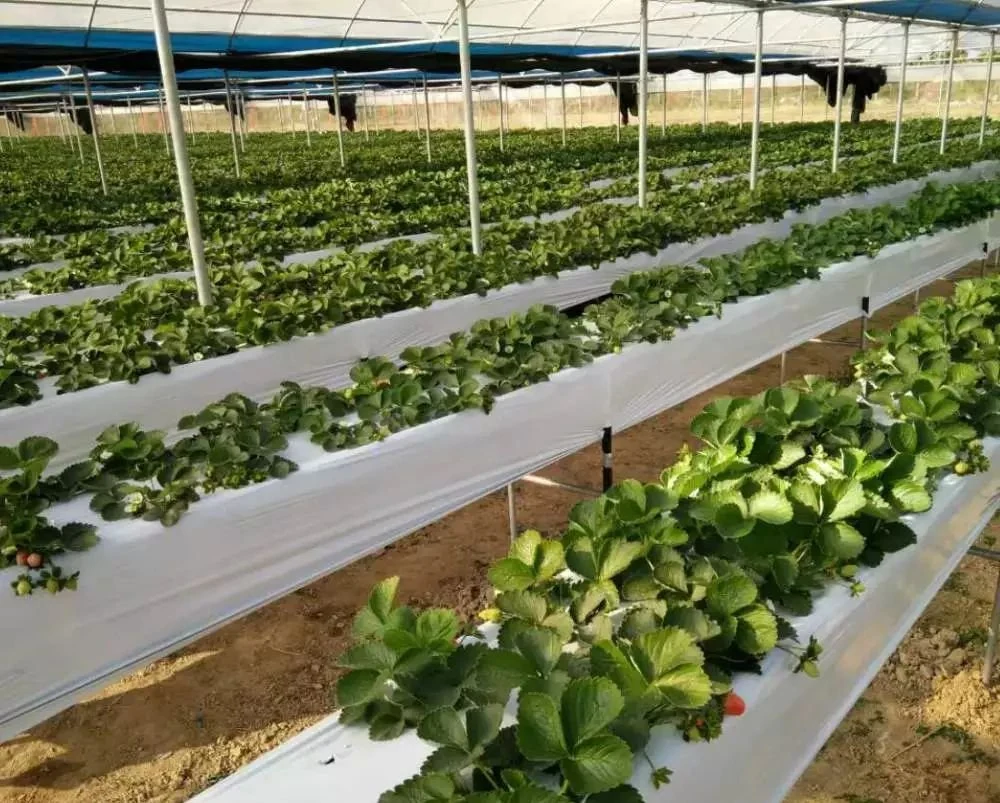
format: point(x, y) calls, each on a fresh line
point(556, 27)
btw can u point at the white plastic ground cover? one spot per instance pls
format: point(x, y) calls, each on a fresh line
point(788, 717)
point(145, 591)
point(159, 400)
point(26, 303)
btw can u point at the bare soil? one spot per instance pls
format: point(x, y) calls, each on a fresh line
point(172, 729)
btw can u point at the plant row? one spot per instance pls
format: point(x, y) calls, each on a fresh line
point(47, 189)
point(151, 328)
point(133, 473)
point(345, 211)
point(658, 595)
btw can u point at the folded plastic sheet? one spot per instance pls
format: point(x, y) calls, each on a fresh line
point(144, 591)
point(789, 716)
point(159, 400)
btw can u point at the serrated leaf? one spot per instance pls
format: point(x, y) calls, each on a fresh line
point(369, 655)
point(756, 630)
point(658, 652)
point(598, 764)
point(910, 497)
point(382, 597)
point(687, 686)
point(729, 594)
point(842, 498)
point(771, 506)
point(541, 646)
point(694, 621)
point(10, 460)
point(510, 574)
point(437, 627)
point(841, 540)
point(903, 437)
point(523, 605)
point(444, 726)
point(359, 686)
point(539, 728)
point(588, 706)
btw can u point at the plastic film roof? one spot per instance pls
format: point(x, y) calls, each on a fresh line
point(585, 28)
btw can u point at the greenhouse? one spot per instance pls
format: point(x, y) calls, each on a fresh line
point(499, 401)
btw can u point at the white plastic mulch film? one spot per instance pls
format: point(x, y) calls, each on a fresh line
point(331, 762)
point(144, 591)
point(675, 25)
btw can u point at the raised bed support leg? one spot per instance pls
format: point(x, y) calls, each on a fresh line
point(511, 512)
point(865, 312)
point(991, 642)
point(607, 458)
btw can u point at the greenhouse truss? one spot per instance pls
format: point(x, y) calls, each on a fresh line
point(151, 595)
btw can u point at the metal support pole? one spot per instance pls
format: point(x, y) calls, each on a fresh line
point(305, 113)
point(374, 121)
point(500, 108)
point(131, 120)
point(163, 121)
point(562, 86)
point(75, 117)
point(96, 130)
point(898, 133)
point(758, 67)
point(704, 102)
point(364, 115)
point(511, 512)
point(188, 199)
point(506, 101)
point(340, 122)
point(545, 104)
point(281, 119)
point(663, 122)
point(60, 120)
point(580, 86)
point(618, 107)
point(643, 98)
point(191, 116)
point(840, 93)
point(232, 124)
point(607, 455)
point(291, 114)
point(416, 114)
point(991, 640)
point(743, 92)
point(241, 120)
point(111, 118)
point(986, 98)
point(774, 94)
point(947, 97)
point(427, 118)
point(470, 130)
point(802, 100)
point(781, 370)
